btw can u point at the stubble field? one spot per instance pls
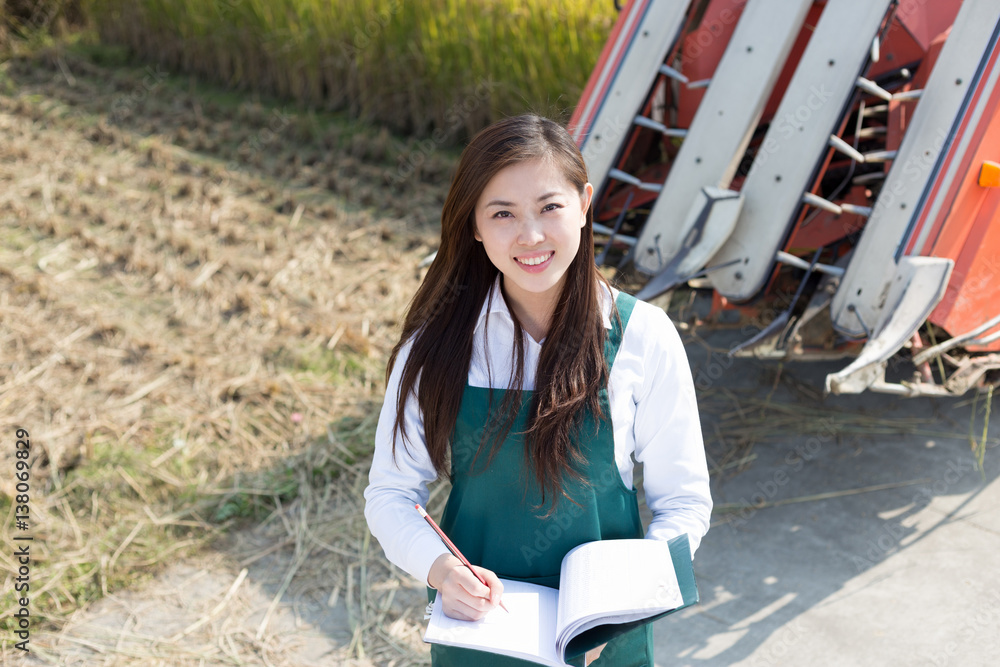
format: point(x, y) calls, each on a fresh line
point(198, 293)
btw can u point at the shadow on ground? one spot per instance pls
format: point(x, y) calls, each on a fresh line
point(857, 531)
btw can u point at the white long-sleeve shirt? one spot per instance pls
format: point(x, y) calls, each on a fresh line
point(653, 411)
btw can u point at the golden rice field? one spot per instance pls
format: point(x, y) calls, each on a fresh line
point(414, 66)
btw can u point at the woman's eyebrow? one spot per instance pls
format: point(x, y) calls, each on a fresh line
point(497, 202)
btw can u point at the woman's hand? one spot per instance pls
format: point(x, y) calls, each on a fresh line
point(463, 596)
point(594, 653)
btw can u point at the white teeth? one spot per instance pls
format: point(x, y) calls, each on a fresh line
point(534, 261)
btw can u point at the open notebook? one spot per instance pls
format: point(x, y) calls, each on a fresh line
point(605, 588)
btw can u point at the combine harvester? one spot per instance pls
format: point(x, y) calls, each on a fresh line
point(834, 163)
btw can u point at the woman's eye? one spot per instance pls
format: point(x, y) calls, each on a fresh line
point(551, 207)
point(502, 214)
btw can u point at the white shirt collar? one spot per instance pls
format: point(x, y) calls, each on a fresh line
point(496, 303)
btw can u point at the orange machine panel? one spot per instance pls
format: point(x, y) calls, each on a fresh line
point(701, 50)
point(970, 231)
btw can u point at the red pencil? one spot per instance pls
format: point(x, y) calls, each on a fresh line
point(454, 550)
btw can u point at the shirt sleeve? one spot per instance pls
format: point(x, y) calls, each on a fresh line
point(668, 439)
point(396, 485)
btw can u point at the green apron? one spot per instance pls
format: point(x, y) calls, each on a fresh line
point(490, 518)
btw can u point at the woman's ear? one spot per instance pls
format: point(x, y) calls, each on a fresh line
point(585, 199)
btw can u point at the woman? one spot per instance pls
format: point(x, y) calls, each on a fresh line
point(528, 380)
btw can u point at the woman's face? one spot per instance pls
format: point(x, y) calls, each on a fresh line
point(528, 219)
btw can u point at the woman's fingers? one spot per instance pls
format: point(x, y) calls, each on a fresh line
point(593, 654)
point(466, 608)
point(463, 595)
point(470, 597)
point(494, 583)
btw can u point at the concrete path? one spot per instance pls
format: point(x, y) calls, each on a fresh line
point(908, 575)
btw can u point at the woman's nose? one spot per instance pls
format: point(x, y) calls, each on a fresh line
point(530, 232)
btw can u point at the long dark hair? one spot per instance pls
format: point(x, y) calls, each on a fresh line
point(443, 313)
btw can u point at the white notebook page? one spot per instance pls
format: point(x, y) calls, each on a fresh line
point(615, 578)
point(528, 631)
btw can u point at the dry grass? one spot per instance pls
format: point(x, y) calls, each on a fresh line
point(190, 346)
point(315, 547)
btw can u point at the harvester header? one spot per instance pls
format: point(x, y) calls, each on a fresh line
point(840, 159)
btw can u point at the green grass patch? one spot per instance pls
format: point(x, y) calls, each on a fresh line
point(256, 497)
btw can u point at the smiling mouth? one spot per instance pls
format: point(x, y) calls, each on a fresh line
point(534, 261)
